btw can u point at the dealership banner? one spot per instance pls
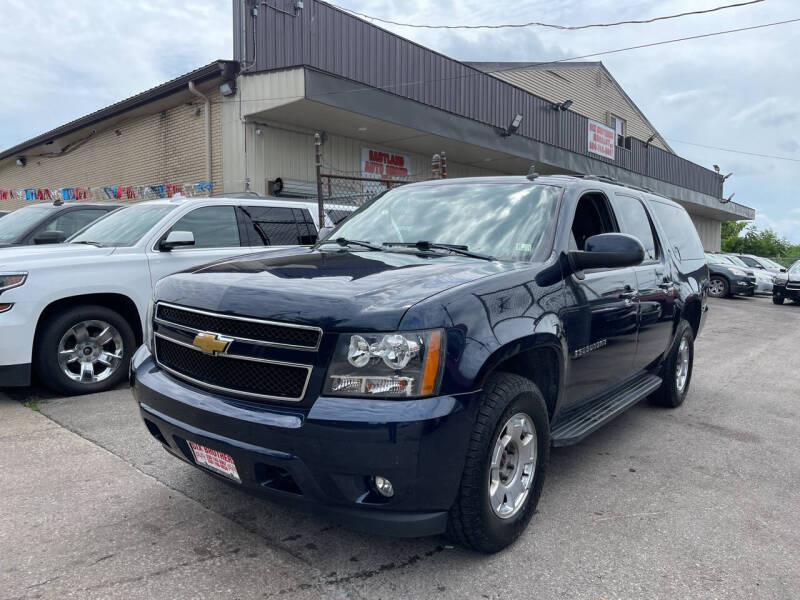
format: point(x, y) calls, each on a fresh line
point(601, 139)
point(383, 164)
point(108, 192)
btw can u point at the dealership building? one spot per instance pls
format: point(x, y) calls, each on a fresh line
point(382, 106)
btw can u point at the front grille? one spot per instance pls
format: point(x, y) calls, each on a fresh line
point(228, 373)
point(299, 336)
point(793, 285)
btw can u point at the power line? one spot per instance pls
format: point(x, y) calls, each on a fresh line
point(550, 25)
point(758, 154)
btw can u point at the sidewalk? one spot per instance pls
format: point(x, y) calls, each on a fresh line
point(78, 522)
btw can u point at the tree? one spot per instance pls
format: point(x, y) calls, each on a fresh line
point(746, 238)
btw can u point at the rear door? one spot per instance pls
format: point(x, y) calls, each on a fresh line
point(654, 285)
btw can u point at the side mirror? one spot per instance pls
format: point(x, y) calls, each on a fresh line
point(324, 232)
point(607, 251)
point(176, 239)
point(50, 237)
point(783, 270)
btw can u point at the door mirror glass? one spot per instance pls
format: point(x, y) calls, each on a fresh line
point(52, 236)
point(176, 239)
point(607, 251)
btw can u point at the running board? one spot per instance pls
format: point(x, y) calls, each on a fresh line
point(572, 427)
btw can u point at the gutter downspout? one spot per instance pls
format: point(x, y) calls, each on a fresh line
point(207, 111)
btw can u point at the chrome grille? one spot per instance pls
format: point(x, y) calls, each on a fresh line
point(260, 331)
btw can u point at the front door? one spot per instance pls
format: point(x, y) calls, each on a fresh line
point(602, 319)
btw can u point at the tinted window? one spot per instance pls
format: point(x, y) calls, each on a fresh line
point(212, 226)
point(634, 221)
point(72, 221)
point(680, 230)
point(592, 217)
point(749, 261)
point(279, 226)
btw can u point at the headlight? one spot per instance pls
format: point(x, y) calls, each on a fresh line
point(394, 365)
point(736, 271)
point(148, 326)
point(11, 280)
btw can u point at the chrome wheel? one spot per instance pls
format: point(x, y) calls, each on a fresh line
point(682, 365)
point(513, 466)
point(716, 287)
point(90, 351)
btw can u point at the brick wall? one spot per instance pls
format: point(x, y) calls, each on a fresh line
point(160, 146)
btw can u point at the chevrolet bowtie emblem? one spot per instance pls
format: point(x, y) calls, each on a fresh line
point(210, 343)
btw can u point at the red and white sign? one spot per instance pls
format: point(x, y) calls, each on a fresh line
point(215, 460)
point(601, 139)
point(384, 164)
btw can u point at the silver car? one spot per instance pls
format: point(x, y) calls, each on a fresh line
point(764, 279)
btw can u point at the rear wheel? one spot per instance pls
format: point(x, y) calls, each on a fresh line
point(719, 287)
point(676, 371)
point(85, 349)
point(505, 465)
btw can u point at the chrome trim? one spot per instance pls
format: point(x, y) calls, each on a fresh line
point(299, 398)
point(236, 318)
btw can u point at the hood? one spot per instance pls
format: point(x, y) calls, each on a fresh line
point(23, 257)
point(335, 290)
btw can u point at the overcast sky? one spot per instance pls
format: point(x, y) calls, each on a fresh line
point(739, 91)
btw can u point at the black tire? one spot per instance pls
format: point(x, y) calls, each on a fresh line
point(46, 359)
point(472, 520)
point(725, 287)
point(668, 394)
point(777, 299)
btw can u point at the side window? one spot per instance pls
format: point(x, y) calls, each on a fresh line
point(279, 226)
point(72, 221)
point(212, 226)
point(634, 220)
point(592, 216)
point(680, 230)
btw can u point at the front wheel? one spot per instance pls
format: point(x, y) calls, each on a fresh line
point(777, 299)
point(85, 349)
point(505, 465)
point(719, 287)
point(677, 369)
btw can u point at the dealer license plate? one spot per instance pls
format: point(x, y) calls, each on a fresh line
point(215, 460)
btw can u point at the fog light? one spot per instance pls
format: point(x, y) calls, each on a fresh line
point(383, 486)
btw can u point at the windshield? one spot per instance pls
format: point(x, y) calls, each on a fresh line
point(123, 227)
point(771, 263)
point(718, 259)
point(505, 221)
point(795, 268)
point(736, 260)
point(18, 222)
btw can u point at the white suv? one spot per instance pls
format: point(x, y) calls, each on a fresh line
point(72, 313)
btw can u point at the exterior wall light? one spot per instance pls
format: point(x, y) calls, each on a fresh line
point(563, 106)
point(227, 88)
point(21, 161)
point(512, 128)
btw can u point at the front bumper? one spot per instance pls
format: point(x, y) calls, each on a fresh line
point(16, 342)
point(745, 286)
point(792, 293)
point(322, 458)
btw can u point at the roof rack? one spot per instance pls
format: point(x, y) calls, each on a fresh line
point(609, 179)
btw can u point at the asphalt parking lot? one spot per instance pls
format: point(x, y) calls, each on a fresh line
point(698, 502)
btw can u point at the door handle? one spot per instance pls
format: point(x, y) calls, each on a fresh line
point(666, 284)
point(628, 293)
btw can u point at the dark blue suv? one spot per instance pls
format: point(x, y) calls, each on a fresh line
point(409, 374)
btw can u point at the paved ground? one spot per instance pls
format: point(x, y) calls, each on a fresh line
point(699, 502)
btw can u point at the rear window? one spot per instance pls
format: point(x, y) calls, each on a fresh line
point(681, 233)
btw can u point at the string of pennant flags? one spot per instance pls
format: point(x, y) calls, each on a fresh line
point(108, 192)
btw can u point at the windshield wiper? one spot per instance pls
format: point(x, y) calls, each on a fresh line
point(345, 242)
point(98, 244)
point(455, 248)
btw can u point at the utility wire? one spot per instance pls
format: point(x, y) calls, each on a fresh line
point(550, 25)
point(758, 154)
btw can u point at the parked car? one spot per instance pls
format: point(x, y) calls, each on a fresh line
point(49, 223)
point(72, 313)
point(3, 213)
point(764, 278)
point(409, 373)
point(787, 285)
point(758, 262)
point(727, 279)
